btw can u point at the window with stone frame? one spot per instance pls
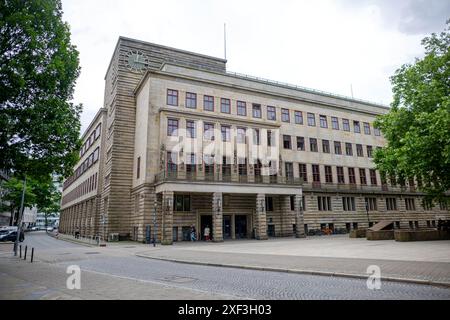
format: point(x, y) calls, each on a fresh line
point(303, 173)
point(287, 143)
point(359, 150)
point(325, 146)
point(328, 174)
point(208, 103)
point(346, 124)
point(351, 176)
point(285, 115)
point(271, 113)
point(356, 127)
point(340, 175)
point(298, 115)
point(323, 121)
point(191, 130)
point(225, 105)
point(256, 110)
point(373, 177)
point(311, 119)
point(241, 108)
point(348, 149)
point(366, 128)
point(172, 127)
point(172, 97)
point(191, 100)
point(335, 123)
point(300, 143)
point(313, 145)
point(337, 147)
point(362, 176)
point(316, 172)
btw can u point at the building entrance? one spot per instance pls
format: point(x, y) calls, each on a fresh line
point(240, 227)
point(227, 227)
point(205, 221)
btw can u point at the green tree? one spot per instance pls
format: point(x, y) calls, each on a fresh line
point(12, 195)
point(417, 128)
point(48, 198)
point(39, 128)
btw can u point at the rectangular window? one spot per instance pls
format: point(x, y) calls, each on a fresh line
point(337, 147)
point(370, 151)
point(298, 117)
point(356, 127)
point(371, 203)
point(325, 146)
point(208, 131)
point(96, 154)
point(191, 100)
point(324, 203)
point(226, 133)
point(366, 128)
point(138, 168)
point(182, 203)
point(311, 119)
point(172, 163)
point(191, 130)
point(303, 172)
point(289, 170)
point(256, 137)
point(391, 204)
point(313, 145)
point(241, 133)
point(300, 144)
point(190, 164)
point(271, 113)
point(335, 123)
point(285, 115)
point(359, 150)
point(351, 176)
point(410, 204)
point(362, 176)
point(172, 97)
point(208, 103)
point(348, 149)
point(348, 203)
point(328, 174)
point(269, 204)
point(241, 108)
point(340, 175)
point(323, 121)
point(256, 110)
point(373, 177)
point(172, 127)
point(377, 132)
point(287, 142)
point(316, 173)
point(225, 105)
point(346, 124)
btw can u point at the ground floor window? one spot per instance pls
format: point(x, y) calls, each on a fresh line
point(182, 202)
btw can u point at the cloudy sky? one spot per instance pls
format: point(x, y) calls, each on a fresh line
point(322, 44)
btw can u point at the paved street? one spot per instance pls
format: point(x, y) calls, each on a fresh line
point(115, 272)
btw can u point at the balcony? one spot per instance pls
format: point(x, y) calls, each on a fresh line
point(173, 176)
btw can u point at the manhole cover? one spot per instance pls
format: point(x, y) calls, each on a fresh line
point(178, 279)
point(92, 252)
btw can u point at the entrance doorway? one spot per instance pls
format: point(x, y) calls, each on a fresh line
point(205, 221)
point(227, 227)
point(240, 227)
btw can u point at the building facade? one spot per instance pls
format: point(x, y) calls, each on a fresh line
point(181, 142)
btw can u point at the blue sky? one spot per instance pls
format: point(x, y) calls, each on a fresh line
point(323, 44)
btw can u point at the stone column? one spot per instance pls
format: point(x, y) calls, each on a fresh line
point(217, 217)
point(167, 209)
point(260, 217)
point(287, 217)
point(299, 221)
point(233, 226)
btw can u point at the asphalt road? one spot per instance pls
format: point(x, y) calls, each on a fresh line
point(237, 283)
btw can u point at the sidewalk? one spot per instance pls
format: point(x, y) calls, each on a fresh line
point(228, 255)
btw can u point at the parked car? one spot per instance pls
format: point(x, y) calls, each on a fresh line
point(10, 235)
point(49, 229)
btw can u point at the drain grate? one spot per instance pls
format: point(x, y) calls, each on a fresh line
point(178, 279)
point(92, 253)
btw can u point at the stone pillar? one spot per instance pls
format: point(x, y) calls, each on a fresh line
point(299, 221)
point(167, 209)
point(233, 226)
point(217, 217)
point(287, 217)
point(260, 222)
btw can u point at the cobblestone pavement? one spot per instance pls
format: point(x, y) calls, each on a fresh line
point(114, 273)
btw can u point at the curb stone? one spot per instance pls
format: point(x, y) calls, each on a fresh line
point(299, 271)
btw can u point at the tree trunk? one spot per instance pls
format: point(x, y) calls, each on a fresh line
point(11, 218)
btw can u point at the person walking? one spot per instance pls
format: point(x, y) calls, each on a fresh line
point(207, 233)
point(193, 233)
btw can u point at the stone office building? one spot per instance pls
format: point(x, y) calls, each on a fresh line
point(181, 142)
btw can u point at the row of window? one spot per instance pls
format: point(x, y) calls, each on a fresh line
point(326, 148)
point(329, 176)
point(90, 141)
point(241, 110)
point(93, 158)
point(241, 134)
point(85, 187)
point(182, 203)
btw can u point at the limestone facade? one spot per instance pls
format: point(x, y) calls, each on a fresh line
point(186, 144)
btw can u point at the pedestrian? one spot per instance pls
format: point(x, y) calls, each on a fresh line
point(207, 233)
point(193, 233)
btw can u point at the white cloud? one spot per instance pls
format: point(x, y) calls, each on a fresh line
point(326, 45)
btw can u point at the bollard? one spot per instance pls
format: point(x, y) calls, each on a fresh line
point(32, 254)
point(20, 251)
point(25, 255)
